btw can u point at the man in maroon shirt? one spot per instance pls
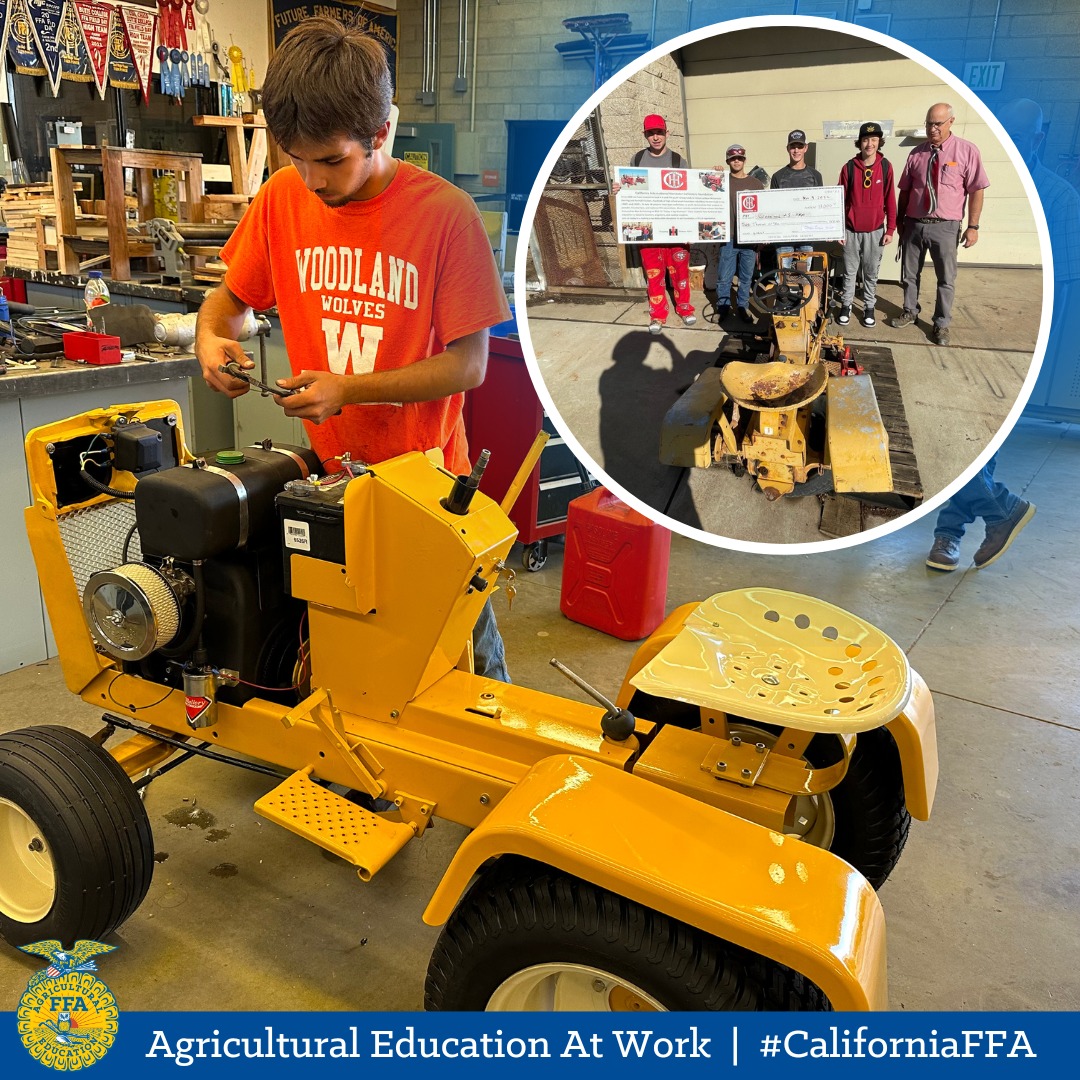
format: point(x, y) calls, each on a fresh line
point(870, 207)
point(941, 176)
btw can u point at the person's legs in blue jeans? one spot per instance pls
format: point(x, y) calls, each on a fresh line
point(980, 497)
point(725, 274)
point(489, 653)
point(746, 260)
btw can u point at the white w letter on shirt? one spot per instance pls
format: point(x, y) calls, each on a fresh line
point(350, 346)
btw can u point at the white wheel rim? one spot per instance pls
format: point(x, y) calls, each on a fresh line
point(814, 818)
point(569, 988)
point(27, 875)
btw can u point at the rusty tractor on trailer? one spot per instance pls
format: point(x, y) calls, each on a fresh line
point(793, 408)
point(737, 803)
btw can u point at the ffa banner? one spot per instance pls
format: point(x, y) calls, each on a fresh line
point(45, 23)
point(74, 59)
point(22, 45)
point(94, 20)
point(139, 26)
point(122, 72)
point(379, 22)
point(3, 25)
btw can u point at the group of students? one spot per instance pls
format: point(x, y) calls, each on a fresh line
point(941, 178)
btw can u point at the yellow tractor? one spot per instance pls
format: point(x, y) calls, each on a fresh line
point(791, 407)
point(710, 839)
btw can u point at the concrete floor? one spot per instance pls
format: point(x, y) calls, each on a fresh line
point(612, 383)
point(983, 910)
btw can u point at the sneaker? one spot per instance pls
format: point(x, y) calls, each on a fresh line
point(744, 314)
point(722, 312)
point(1000, 536)
point(905, 318)
point(689, 320)
point(844, 317)
point(868, 318)
point(941, 335)
point(945, 554)
point(655, 326)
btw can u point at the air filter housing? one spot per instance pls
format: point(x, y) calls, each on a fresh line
point(131, 611)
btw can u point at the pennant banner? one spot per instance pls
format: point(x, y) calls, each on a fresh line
point(45, 21)
point(74, 59)
point(139, 25)
point(22, 46)
point(122, 73)
point(95, 19)
point(3, 25)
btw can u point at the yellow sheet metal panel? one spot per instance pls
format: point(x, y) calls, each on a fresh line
point(730, 878)
point(915, 732)
point(671, 625)
point(784, 659)
point(686, 434)
point(858, 443)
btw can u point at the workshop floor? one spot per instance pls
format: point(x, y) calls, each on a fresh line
point(983, 910)
point(612, 384)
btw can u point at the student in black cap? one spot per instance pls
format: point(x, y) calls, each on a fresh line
point(795, 174)
point(870, 219)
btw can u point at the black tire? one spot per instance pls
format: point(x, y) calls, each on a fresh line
point(872, 819)
point(91, 852)
point(519, 914)
point(871, 815)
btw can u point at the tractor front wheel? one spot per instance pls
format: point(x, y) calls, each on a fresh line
point(527, 937)
point(76, 851)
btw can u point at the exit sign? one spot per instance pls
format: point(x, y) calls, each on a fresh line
point(985, 76)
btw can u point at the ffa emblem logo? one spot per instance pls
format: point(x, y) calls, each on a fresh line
point(67, 1016)
point(748, 203)
point(673, 180)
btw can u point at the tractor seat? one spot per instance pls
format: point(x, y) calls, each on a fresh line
point(782, 658)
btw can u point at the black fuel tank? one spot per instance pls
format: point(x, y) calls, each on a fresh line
point(193, 512)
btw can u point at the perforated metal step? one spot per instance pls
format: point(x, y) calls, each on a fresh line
point(358, 836)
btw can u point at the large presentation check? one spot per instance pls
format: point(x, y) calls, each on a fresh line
point(672, 206)
point(791, 215)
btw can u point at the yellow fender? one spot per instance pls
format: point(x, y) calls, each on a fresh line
point(774, 895)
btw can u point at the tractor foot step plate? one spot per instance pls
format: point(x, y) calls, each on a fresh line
point(368, 841)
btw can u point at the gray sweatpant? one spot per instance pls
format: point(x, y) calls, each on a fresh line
point(862, 249)
point(940, 239)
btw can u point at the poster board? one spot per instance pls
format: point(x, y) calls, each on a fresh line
point(791, 215)
point(381, 23)
point(672, 206)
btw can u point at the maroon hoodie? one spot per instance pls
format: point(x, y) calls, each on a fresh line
point(868, 208)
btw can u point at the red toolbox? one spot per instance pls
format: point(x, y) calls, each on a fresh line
point(92, 348)
point(616, 567)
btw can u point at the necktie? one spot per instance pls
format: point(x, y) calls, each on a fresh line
point(932, 168)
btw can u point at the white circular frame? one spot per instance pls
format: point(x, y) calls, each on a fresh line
point(835, 26)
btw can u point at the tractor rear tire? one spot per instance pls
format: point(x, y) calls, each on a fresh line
point(76, 850)
point(527, 937)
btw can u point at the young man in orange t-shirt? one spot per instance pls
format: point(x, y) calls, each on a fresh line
point(382, 273)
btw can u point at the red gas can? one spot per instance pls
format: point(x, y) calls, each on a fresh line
point(616, 567)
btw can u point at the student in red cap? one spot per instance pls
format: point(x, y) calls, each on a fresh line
point(658, 258)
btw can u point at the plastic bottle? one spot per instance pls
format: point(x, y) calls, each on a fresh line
point(95, 295)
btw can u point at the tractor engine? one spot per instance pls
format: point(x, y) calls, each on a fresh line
point(204, 604)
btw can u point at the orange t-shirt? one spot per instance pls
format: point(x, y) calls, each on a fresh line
point(370, 286)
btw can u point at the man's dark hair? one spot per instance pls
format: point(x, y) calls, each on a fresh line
point(326, 80)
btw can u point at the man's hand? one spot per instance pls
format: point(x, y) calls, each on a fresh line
point(322, 394)
point(616, 187)
point(970, 237)
point(886, 240)
point(216, 352)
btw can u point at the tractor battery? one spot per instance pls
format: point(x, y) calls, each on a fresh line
point(312, 523)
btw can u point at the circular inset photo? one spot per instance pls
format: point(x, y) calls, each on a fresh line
point(784, 285)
